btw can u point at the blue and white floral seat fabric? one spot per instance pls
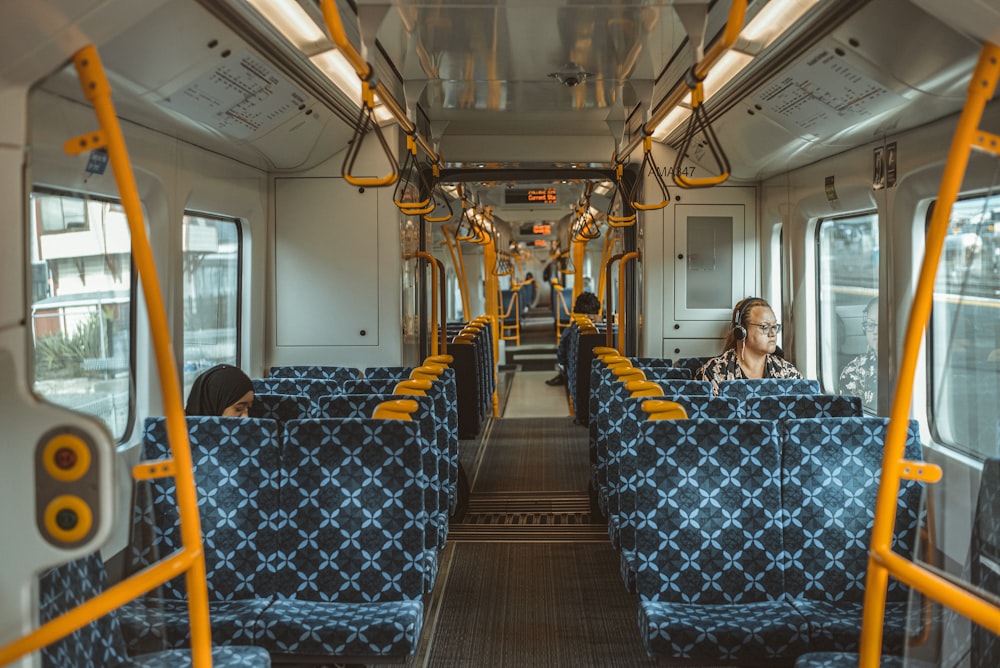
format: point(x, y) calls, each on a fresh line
point(281, 407)
point(830, 475)
point(622, 469)
point(792, 406)
point(605, 411)
point(311, 387)
point(351, 575)
point(709, 546)
point(445, 398)
point(984, 554)
point(844, 660)
point(435, 461)
point(335, 373)
point(743, 389)
point(236, 470)
point(100, 643)
point(396, 373)
point(692, 364)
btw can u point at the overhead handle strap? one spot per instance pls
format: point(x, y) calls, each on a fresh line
point(616, 196)
point(406, 185)
point(649, 164)
point(365, 119)
point(437, 194)
point(698, 123)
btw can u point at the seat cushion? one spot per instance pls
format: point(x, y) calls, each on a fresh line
point(151, 624)
point(741, 633)
point(842, 660)
point(836, 627)
point(222, 657)
point(386, 629)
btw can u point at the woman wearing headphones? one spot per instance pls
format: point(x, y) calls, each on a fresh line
point(750, 347)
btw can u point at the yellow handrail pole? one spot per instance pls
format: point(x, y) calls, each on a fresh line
point(579, 253)
point(334, 25)
point(434, 294)
point(609, 330)
point(626, 258)
point(437, 303)
point(734, 23)
point(98, 91)
point(492, 288)
point(459, 262)
point(191, 557)
point(881, 558)
point(610, 240)
point(114, 597)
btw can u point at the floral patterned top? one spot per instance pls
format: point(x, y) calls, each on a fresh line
point(726, 367)
point(860, 378)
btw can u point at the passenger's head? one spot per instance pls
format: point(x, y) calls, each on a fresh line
point(754, 327)
point(869, 322)
point(223, 390)
point(587, 302)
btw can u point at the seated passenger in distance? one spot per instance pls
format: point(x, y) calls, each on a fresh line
point(750, 347)
point(586, 303)
point(860, 377)
point(223, 390)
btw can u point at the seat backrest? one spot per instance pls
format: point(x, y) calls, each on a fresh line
point(236, 472)
point(984, 555)
point(337, 373)
point(396, 373)
point(791, 406)
point(433, 440)
point(64, 587)
point(830, 472)
point(708, 494)
point(352, 489)
point(310, 387)
point(621, 455)
point(281, 407)
point(744, 388)
point(692, 364)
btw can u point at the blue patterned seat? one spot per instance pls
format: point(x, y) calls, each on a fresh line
point(791, 406)
point(709, 544)
point(605, 409)
point(351, 570)
point(100, 643)
point(443, 393)
point(435, 462)
point(984, 555)
point(622, 469)
point(830, 474)
point(236, 470)
point(281, 407)
point(743, 389)
point(335, 373)
point(844, 660)
point(311, 387)
point(692, 364)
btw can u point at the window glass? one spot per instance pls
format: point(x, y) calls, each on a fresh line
point(847, 249)
point(212, 261)
point(82, 296)
point(965, 331)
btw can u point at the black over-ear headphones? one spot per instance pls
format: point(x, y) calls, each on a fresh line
point(739, 331)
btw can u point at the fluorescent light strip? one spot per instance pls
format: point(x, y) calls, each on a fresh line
point(770, 22)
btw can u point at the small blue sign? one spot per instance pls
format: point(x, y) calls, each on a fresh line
point(97, 162)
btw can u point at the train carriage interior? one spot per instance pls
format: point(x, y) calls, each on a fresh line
point(484, 265)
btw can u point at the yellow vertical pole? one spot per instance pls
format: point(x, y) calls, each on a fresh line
point(492, 288)
point(981, 89)
point(579, 255)
point(98, 91)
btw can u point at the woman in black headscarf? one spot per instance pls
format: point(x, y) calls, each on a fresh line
point(222, 390)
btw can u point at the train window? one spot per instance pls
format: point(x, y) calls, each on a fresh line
point(965, 331)
point(213, 253)
point(81, 311)
point(847, 249)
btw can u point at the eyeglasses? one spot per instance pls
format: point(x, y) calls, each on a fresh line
point(869, 326)
point(767, 329)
